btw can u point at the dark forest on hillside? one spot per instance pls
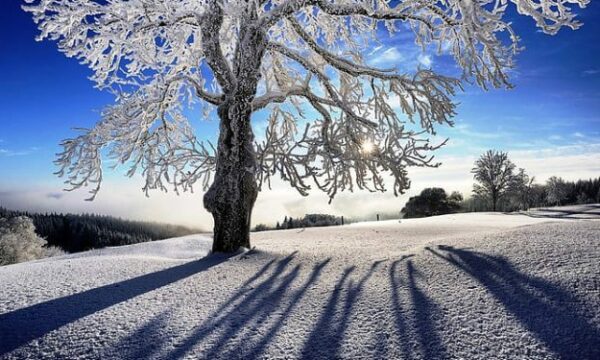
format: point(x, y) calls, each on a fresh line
point(75, 233)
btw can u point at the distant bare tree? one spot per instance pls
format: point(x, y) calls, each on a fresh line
point(295, 58)
point(494, 172)
point(520, 188)
point(556, 190)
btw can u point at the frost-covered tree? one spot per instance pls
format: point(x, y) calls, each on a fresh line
point(556, 190)
point(18, 241)
point(494, 173)
point(520, 189)
point(295, 58)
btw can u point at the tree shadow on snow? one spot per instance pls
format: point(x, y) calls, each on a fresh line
point(415, 323)
point(22, 326)
point(590, 211)
point(245, 325)
point(242, 321)
point(144, 343)
point(149, 340)
point(326, 338)
point(546, 310)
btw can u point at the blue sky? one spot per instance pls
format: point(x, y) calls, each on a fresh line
point(553, 111)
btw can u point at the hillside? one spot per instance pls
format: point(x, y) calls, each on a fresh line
point(474, 286)
point(80, 232)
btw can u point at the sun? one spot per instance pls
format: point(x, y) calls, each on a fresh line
point(367, 147)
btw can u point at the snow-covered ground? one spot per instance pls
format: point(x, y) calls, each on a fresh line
point(472, 286)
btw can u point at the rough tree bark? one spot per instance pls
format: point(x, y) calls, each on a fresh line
point(231, 197)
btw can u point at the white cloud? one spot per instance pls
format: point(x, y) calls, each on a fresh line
point(425, 60)
point(578, 134)
point(9, 153)
point(466, 130)
point(590, 72)
point(375, 49)
point(391, 55)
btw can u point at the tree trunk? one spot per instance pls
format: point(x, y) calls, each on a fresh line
point(231, 197)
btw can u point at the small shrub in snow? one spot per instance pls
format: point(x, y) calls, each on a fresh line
point(51, 251)
point(19, 242)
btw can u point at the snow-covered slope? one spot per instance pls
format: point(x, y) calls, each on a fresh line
point(182, 248)
point(456, 286)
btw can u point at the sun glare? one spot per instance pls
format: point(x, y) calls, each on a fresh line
point(368, 147)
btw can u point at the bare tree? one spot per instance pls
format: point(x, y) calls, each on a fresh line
point(556, 190)
point(520, 188)
point(296, 58)
point(494, 172)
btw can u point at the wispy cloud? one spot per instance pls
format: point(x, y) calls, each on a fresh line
point(590, 72)
point(10, 153)
point(425, 60)
point(375, 49)
point(391, 55)
point(466, 130)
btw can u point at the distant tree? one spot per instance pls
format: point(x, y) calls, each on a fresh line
point(430, 202)
point(284, 224)
point(19, 242)
point(283, 56)
point(455, 199)
point(556, 190)
point(474, 204)
point(520, 189)
point(261, 227)
point(494, 172)
point(582, 198)
point(537, 195)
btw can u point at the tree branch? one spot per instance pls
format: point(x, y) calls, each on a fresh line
point(293, 55)
point(211, 23)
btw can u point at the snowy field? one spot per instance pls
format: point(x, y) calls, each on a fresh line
point(471, 286)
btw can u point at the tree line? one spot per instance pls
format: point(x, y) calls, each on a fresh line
point(74, 233)
point(500, 186)
point(309, 220)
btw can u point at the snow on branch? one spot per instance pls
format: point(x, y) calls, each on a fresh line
point(156, 54)
point(145, 131)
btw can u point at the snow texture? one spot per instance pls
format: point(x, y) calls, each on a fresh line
point(471, 286)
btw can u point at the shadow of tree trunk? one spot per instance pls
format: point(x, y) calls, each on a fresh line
point(22, 326)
